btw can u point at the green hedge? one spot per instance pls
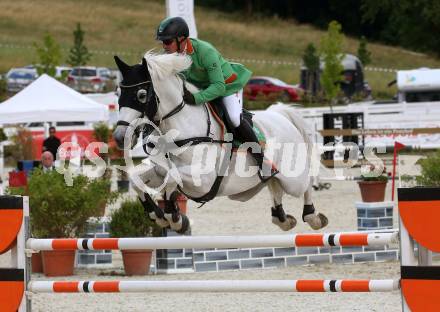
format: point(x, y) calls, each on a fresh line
point(131, 220)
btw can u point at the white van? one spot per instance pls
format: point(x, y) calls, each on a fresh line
point(418, 85)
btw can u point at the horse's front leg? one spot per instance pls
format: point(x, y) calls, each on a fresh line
point(178, 221)
point(154, 212)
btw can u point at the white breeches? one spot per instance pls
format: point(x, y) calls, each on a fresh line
point(234, 105)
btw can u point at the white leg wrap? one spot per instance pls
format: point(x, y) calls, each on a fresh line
point(176, 226)
point(159, 221)
point(162, 223)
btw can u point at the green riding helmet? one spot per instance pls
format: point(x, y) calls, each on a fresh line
point(172, 27)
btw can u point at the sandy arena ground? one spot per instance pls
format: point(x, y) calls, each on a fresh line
point(225, 217)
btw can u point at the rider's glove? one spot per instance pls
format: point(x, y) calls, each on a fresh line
point(188, 97)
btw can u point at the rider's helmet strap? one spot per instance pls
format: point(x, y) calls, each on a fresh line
point(178, 43)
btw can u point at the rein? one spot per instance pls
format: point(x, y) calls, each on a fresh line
point(185, 142)
point(176, 110)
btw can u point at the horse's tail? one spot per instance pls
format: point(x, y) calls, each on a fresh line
point(307, 132)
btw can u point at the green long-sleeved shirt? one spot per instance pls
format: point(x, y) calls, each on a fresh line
point(211, 73)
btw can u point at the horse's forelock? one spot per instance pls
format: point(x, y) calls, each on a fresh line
point(161, 66)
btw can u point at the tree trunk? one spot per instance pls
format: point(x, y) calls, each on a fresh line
point(249, 8)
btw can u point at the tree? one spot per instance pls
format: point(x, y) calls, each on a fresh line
point(49, 56)
point(79, 54)
point(363, 54)
point(311, 58)
point(331, 50)
point(409, 23)
point(311, 62)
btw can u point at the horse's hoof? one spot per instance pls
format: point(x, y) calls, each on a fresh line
point(287, 225)
point(186, 226)
point(316, 222)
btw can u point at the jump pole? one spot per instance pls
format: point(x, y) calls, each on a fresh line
point(419, 281)
point(177, 242)
point(214, 286)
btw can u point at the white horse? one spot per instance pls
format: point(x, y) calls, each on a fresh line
point(154, 88)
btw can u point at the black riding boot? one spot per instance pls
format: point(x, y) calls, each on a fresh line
point(246, 134)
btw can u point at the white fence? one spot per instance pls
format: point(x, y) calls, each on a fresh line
point(387, 116)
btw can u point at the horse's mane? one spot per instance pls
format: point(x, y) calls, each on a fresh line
point(161, 66)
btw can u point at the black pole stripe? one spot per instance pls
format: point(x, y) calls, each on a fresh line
point(84, 244)
point(11, 275)
point(11, 202)
point(333, 286)
point(420, 272)
point(86, 287)
point(331, 240)
point(419, 194)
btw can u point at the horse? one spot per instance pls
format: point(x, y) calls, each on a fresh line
point(153, 90)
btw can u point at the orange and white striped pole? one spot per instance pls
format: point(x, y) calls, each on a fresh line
point(292, 240)
point(214, 286)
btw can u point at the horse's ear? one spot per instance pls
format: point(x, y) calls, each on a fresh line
point(144, 62)
point(121, 65)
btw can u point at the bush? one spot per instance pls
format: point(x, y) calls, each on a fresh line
point(58, 210)
point(430, 170)
point(130, 220)
point(101, 132)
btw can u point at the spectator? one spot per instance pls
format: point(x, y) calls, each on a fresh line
point(47, 161)
point(52, 143)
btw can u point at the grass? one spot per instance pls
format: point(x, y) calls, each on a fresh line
point(128, 28)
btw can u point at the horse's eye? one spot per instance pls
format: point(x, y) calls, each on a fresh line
point(118, 92)
point(142, 96)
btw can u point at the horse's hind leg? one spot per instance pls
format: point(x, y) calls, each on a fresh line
point(279, 217)
point(316, 221)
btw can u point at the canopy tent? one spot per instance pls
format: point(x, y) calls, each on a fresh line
point(46, 100)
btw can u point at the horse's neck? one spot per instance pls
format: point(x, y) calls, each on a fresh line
point(169, 94)
point(191, 121)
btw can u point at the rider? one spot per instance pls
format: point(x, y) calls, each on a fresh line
point(215, 77)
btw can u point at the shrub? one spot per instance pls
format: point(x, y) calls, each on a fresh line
point(430, 170)
point(101, 132)
point(130, 220)
point(58, 210)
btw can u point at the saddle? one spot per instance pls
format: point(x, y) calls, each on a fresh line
point(217, 107)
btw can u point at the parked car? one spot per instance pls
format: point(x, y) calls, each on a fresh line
point(62, 72)
point(88, 79)
point(19, 78)
point(272, 88)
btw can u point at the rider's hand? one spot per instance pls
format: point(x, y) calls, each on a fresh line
point(188, 97)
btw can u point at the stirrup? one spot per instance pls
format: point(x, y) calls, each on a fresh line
point(273, 172)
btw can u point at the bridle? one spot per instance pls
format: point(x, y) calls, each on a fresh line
point(143, 112)
point(173, 112)
point(184, 142)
